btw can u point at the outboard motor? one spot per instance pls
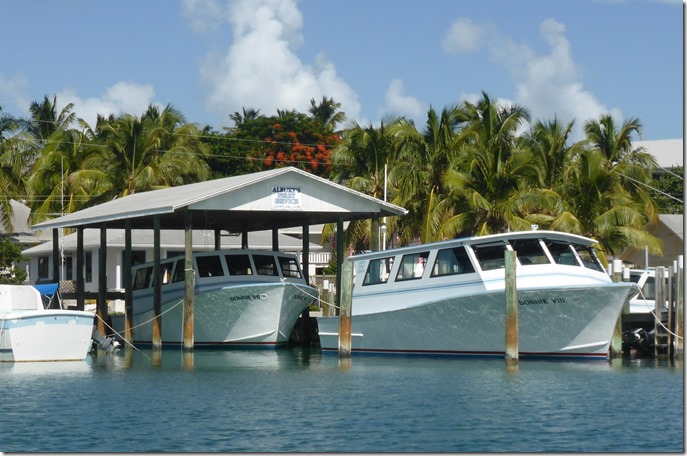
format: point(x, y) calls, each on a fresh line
point(108, 344)
point(639, 339)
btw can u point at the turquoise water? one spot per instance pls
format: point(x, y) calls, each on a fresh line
point(297, 400)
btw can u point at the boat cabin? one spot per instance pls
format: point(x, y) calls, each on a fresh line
point(222, 265)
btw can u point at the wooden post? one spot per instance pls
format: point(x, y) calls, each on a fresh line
point(128, 290)
point(511, 310)
point(80, 299)
point(658, 305)
point(345, 313)
point(189, 282)
point(102, 283)
point(671, 317)
point(157, 286)
point(616, 350)
point(680, 302)
point(324, 303)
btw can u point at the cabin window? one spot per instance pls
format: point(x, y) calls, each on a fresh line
point(265, 265)
point(166, 272)
point(562, 253)
point(378, 271)
point(588, 258)
point(209, 266)
point(452, 261)
point(137, 257)
point(179, 272)
point(289, 267)
point(142, 277)
point(490, 256)
point(412, 266)
point(529, 251)
point(238, 265)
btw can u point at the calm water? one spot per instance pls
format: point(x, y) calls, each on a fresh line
point(297, 400)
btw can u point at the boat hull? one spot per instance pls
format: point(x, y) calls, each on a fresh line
point(45, 335)
point(570, 322)
point(249, 315)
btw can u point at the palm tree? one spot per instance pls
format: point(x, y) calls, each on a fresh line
point(11, 166)
point(158, 150)
point(421, 160)
point(327, 113)
point(358, 162)
point(45, 120)
point(597, 198)
point(493, 181)
point(248, 115)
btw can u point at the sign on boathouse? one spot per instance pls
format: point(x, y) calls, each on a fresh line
point(289, 198)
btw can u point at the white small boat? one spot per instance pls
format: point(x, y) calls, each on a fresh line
point(645, 301)
point(241, 298)
point(31, 332)
point(448, 298)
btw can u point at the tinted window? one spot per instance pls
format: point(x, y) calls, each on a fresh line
point(378, 271)
point(179, 273)
point(412, 266)
point(588, 258)
point(265, 265)
point(209, 266)
point(289, 267)
point(142, 277)
point(529, 251)
point(239, 265)
point(452, 261)
point(490, 256)
point(562, 253)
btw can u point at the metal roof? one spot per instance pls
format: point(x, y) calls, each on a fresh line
point(248, 202)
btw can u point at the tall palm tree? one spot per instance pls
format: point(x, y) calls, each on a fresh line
point(492, 181)
point(45, 120)
point(157, 150)
point(327, 112)
point(358, 162)
point(13, 147)
point(420, 161)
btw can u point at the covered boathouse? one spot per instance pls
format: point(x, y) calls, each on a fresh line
point(268, 200)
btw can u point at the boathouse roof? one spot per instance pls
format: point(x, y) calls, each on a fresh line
point(278, 198)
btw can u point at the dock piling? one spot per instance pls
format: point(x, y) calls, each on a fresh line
point(511, 310)
point(345, 312)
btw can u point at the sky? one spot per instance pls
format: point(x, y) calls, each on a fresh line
point(565, 59)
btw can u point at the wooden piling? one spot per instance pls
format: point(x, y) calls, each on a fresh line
point(345, 312)
point(189, 281)
point(679, 304)
point(616, 349)
point(659, 302)
point(511, 310)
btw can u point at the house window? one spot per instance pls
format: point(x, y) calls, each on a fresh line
point(88, 263)
point(43, 268)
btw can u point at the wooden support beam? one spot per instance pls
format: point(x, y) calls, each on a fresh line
point(157, 286)
point(102, 282)
point(188, 330)
point(128, 290)
point(80, 301)
point(345, 312)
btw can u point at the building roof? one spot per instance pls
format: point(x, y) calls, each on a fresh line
point(277, 198)
point(669, 153)
point(21, 231)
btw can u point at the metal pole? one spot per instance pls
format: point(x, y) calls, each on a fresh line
point(511, 310)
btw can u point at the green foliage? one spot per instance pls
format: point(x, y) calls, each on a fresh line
point(10, 255)
point(670, 184)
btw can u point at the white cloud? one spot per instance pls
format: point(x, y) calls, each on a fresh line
point(121, 98)
point(260, 70)
point(464, 36)
point(12, 95)
point(548, 85)
point(398, 103)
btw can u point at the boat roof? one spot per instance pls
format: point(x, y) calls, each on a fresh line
point(481, 240)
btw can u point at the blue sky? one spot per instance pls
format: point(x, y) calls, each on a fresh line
point(573, 59)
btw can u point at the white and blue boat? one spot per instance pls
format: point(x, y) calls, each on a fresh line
point(242, 298)
point(33, 331)
point(448, 298)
